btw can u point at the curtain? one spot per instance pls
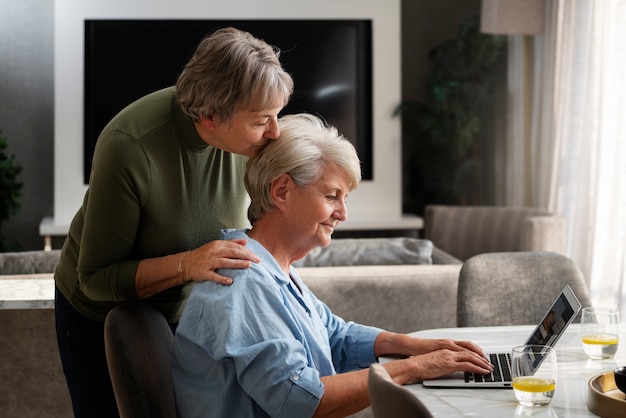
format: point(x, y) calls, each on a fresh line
point(566, 141)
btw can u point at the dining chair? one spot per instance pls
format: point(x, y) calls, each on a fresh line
point(391, 400)
point(138, 343)
point(515, 288)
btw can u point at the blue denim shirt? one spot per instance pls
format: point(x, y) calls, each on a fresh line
point(257, 348)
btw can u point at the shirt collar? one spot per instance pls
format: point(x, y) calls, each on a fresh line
point(268, 260)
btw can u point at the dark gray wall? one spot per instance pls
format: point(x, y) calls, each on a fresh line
point(26, 109)
point(27, 84)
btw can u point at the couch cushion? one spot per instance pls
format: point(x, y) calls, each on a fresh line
point(369, 251)
point(29, 262)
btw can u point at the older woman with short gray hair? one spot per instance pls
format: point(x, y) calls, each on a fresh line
point(266, 346)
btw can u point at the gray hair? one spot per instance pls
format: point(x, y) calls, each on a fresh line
point(232, 70)
point(305, 146)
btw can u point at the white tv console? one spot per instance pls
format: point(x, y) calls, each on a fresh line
point(48, 228)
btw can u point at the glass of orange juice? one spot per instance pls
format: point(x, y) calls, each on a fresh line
point(533, 369)
point(600, 332)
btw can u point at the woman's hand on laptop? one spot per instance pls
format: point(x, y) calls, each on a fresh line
point(429, 358)
point(445, 361)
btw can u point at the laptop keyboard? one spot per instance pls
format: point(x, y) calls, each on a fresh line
point(501, 370)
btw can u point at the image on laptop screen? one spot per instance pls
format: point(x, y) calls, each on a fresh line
point(553, 323)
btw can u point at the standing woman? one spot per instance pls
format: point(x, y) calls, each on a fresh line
point(167, 175)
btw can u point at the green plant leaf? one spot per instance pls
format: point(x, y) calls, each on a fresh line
point(10, 189)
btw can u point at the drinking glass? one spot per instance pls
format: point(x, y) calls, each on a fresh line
point(533, 369)
point(600, 332)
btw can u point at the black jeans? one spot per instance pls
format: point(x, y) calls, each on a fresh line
point(81, 346)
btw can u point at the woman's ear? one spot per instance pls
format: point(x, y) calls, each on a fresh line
point(207, 123)
point(279, 190)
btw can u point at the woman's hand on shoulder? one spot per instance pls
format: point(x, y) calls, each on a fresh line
point(200, 264)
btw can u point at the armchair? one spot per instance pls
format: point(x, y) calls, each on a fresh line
point(465, 231)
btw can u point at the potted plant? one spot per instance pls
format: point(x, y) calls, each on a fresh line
point(10, 192)
point(440, 155)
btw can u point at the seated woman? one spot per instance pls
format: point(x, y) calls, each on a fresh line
point(266, 346)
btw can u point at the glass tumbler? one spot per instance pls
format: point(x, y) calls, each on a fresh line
point(533, 369)
point(600, 332)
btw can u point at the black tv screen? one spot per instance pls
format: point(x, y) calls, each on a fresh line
point(330, 61)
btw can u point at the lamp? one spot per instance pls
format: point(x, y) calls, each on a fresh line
point(512, 17)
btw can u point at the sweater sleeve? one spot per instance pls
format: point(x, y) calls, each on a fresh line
point(112, 212)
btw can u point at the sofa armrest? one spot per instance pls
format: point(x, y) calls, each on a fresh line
point(544, 233)
point(400, 298)
point(439, 256)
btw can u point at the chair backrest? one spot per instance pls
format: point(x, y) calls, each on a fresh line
point(465, 231)
point(138, 343)
point(391, 400)
point(514, 288)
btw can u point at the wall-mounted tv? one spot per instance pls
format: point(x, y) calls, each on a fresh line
point(330, 61)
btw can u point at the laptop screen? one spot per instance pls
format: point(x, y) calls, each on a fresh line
point(555, 321)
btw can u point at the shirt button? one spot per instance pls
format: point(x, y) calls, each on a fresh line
point(296, 377)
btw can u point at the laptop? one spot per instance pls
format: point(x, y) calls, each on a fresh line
point(548, 331)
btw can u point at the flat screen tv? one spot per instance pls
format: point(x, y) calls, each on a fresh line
point(330, 61)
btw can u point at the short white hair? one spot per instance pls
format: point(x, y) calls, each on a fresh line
point(305, 146)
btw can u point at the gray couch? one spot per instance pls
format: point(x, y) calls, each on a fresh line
point(410, 286)
point(399, 284)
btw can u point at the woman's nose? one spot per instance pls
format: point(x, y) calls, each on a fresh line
point(341, 213)
point(272, 131)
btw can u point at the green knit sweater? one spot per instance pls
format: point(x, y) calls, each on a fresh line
point(156, 188)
